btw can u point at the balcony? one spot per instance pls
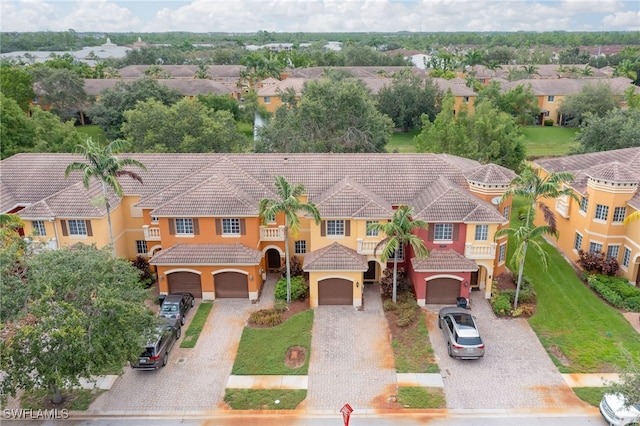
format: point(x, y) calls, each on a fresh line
point(367, 247)
point(272, 234)
point(151, 234)
point(480, 251)
point(562, 207)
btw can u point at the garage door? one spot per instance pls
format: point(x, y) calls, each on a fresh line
point(443, 291)
point(231, 284)
point(181, 282)
point(335, 291)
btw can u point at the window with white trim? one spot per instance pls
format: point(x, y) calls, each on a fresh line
point(551, 98)
point(399, 253)
point(577, 241)
point(77, 227)
point(506, 212)
point(267, 99)
point(141, 247)
point(613, 251)
point(371, 232)
point(154, 219)
point(602, 212)
point(230, 226)
point(335, 227)
point(502, 253)
point(482, 232)
point(443, 232)
point(619, 213)
point(626, 257)
point(301, 246)
point(595, 247)
point(184, 226)
point(584, 204)
point(271, 219)
point(38, 227)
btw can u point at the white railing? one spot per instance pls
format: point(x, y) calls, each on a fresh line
point(562, 208)
point(151, 234)
point(272, 234)
point(367, 247)
point(477, 251)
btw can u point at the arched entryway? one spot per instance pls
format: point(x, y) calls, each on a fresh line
point(370, 274)
point(274, 261)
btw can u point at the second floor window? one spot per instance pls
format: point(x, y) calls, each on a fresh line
point(38, 228)
point(584, 203)
point(371, 232)
point(443, 232)
point(77, 227)
point(154, 219)
point(267, 99)
point(506, 212)
point(335, 227)
point(184, 226)
point(141, 247)
point(619, 213)
point(602, 212)
point(301, 247)
point(577, 242)
point(595, 247)
point(550, 98)
point(399, 253)
point(502, 253)
point(231, 226)
point(482, 232)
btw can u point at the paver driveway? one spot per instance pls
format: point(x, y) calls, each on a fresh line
point(516, 371)
point(351, 357)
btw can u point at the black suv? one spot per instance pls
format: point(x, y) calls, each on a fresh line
point(176, 306)
point(156, 352)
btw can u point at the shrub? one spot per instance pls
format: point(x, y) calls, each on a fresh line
point(597, 262)
point(265, 317)
point(386, 282)
point(299, 288)
point(615, 290)
point(632, 304)
point(548, 122)
point(146, 276)
point(294, 265)
point(280, 306)
point(407, 316)
point(501, 304)
point(388, 305)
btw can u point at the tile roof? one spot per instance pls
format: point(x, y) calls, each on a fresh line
point(184, 71)
point(348, 198)
point(566, 86)
point(491, 174)
point(444, 260)
point(190, 87)
point(207, 254)
point(335, 257)
point(357, 72)
point(276, 89)
point(614, 172)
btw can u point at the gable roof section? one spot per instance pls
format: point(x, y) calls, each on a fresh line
point(207, 254)
point(72, 202)
point(349, 198)
point(335, 257)
point(491, 174)
point(443, 260)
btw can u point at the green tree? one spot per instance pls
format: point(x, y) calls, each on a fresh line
point(16, 84)
point(106, 167)
point(533, 188)
point(61, 89)
point(14, 291)
point(108, 111)
point(616, 130)
point(186, 126)
point(333, 115)
point(52, 135)
point(288, 202)
point(86, 316)
point(446, 134)
point(597, 99)
point(157, 72)
point(220, 103)
point(408, 97)
point(398, 233)
point(520, 103)
point(16, 129)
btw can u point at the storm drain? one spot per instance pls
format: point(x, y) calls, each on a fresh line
point(181, 361)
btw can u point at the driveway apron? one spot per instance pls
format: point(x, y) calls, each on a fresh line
point(351, 357)
point(194, 379)
point(516, 371)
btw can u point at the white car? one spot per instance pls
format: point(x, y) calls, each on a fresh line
point(612, 408)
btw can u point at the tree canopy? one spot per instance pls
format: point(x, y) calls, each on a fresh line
point(60, 88)
point(597, 99)
point(520, 102)
point(16, 83)
point(616, 130)
point(333, 115)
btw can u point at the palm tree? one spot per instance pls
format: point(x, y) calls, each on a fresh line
point(633, 216)
point(103, 165)
point(288, 202)
point(533, 188)
point(398, 233)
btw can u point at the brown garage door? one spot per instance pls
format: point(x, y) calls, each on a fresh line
point(181, 282)
point(443, 291)
point(335, 291)
point(231, 284)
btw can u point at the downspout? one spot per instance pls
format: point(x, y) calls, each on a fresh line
point(55, 231)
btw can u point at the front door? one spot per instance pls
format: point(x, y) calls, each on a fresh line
point(273, 260)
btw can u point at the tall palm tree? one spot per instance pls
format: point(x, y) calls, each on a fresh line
point(633, 216)
point(104, 165)
point(288, 202)
point(534, 188)
point(399, 232)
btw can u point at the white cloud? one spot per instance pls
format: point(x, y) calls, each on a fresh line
point(26, 15)
point(622, 21)
point(100, 15)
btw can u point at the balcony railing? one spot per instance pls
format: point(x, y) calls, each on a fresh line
point(151, 234)
point(562, 208)
point(272, 234)
point(480, 251)
point(367, 247)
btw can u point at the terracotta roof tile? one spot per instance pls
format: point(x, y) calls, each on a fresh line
point(491, 174)
point(335, 257)
point(614, 172)
point(207, 254)
point(348, 198)
point(443, 260)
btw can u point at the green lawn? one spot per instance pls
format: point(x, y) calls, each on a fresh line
point(197, 323)
point(262, 350)
point(402, 142)
point(581, 332)
point(412, 350)
point(419, 397)
point(591, 396)
point(544, 141)
point(95, 132)
point(264, 399)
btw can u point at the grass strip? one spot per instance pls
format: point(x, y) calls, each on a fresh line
point(264, 399)
point(76, 399)
point(412, 350)
point(419, 397)
point(591, 396)
point(197, 323)
point(262, 351)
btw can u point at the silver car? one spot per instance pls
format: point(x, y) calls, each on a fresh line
point(461, 333)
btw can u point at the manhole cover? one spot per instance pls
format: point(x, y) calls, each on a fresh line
point(181, 361)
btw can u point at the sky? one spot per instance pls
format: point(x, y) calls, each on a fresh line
point(241, 16)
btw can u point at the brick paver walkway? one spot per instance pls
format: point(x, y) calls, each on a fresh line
point(351, 357)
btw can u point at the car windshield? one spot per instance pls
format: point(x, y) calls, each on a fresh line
point(170, 307)
point(469, 341)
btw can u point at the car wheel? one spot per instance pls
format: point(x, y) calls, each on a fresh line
point(178, 333)
point(449, 350)
point(165, 358)
point(182, 320)
point(440, 323)
point(193, 302)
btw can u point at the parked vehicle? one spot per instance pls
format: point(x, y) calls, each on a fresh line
point(461, 333)
point(612, 408)
point(176, 306)
point(156, 352)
